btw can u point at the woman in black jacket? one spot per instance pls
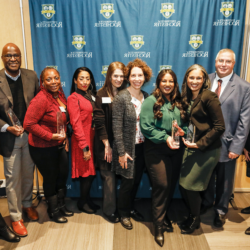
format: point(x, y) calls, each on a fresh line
point(103, 143)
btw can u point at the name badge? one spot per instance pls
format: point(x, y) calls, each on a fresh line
point(106, 100)
point(93, 98)
point(135, 101)
point(62, 109)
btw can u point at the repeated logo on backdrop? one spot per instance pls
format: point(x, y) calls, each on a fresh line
point(48, 11)
point(195, 41)
point(104, 70)
point(162, 67)
point(136, 41)
point(78, 42)
point(107, 10)
point(227, 9)
point(167, 10)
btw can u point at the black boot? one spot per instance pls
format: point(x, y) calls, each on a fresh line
point(53, 210)
point(186, 222)
point(159, 236)
point(6, 233)
point(84, 207)
point(61, 203)
point(168, 225)
point(192, 225)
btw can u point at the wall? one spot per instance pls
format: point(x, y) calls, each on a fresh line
point(12, 32)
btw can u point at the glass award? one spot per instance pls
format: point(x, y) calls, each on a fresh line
point(191, 133)
point(175, 133)
point(13, 118)
point(60, 124)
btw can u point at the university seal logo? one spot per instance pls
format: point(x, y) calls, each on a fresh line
point(227, 8)
point(167, 9)
point(137, 41)
point(195, 41)
point(107, 10)
point(104, 70)
point(48, 10)
point(52, 66)
point(165, 67)
point(78, 42)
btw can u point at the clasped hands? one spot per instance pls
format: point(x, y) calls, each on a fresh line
point(15, 130)
point(171, 145)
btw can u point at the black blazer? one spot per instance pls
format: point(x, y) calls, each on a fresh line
point(30, 88)
point(207, 116)
point(103, 129)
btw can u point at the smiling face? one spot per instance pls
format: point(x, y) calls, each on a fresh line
point(224, 64)
point(136, 78)
point(51, 81)
point(83, 80)
point(195, 80)
point(117, 78)
point(11, 57)
point(167, 85)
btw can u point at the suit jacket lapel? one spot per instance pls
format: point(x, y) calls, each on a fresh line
point(228, 90)
point(4, 85)
point(212, 80)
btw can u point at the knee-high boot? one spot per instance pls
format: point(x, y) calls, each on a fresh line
point(53, 210)
point(61, 203)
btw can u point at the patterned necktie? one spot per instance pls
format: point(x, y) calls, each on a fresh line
point(218, 90)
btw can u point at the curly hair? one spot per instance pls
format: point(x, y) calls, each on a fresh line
point(186, 93)
point(147, 71)
point(112, 67)
point(175, 95)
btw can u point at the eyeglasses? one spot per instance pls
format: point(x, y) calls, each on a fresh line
point(227, 62)
point(9, 56)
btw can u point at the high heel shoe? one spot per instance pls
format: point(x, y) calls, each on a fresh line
point(84, 207)
point(159, 236)
point(186, 222)
point(190, 227)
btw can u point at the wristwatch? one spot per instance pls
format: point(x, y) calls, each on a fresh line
point(86, 149)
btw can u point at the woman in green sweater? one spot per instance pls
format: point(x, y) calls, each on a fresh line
point(163, 157)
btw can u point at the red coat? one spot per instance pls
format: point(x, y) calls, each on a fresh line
point(80, 114)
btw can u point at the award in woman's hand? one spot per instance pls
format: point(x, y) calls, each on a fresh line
point(13, 118)
point(175, 133)
point(60, 124)
point(191, 133)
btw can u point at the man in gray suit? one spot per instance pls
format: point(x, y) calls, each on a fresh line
point(17, 88)
point(234, 95)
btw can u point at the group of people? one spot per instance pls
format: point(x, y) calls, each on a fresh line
point(121, 130)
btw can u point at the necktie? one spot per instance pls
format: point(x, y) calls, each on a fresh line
point(218, 90)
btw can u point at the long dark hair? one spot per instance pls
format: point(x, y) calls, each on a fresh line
point(186, 93)
point(108, 85)
point(175, 95)
point(92, 89)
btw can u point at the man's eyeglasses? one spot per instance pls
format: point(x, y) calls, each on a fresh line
point(9, 56)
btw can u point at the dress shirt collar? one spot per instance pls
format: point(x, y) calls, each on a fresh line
point(224, 79)
point(12, 77)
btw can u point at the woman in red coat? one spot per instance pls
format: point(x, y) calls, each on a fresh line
point(80, 108)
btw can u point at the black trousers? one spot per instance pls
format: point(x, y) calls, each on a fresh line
point(163, 165)
point(52, 162)
point(129, 187)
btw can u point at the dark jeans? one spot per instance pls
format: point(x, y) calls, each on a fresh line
point(163, 165)
point(129, 187)
point(52, 162)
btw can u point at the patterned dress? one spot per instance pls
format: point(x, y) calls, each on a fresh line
point(81, 113)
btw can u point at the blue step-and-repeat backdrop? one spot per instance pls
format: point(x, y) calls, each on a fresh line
point(165, 33)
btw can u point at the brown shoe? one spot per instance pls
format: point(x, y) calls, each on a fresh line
point(19, 228)
point(31, 213)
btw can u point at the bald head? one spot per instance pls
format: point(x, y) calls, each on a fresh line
point(11, 57)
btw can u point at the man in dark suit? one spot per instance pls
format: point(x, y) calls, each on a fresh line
point(234, 95)
point(17, 88)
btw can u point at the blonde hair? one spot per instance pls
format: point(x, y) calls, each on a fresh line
point(226, 50)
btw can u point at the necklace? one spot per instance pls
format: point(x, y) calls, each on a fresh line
point(55, 96)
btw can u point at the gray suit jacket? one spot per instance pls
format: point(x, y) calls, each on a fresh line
point(30, 88)
point(235, 105)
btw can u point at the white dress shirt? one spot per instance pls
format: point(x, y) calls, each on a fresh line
point(225, 81)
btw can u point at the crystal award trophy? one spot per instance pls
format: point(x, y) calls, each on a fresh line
point(191, 133)
point(60, 124)
point(175, 133)
point(13, 118)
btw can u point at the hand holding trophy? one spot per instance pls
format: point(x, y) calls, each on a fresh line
point(190, 137)
point(60, 135)
point(16, 127)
